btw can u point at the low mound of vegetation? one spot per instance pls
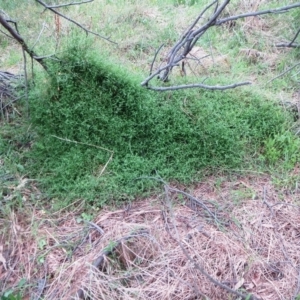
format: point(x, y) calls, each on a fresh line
point(101, 136)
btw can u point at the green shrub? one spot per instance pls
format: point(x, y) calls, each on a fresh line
point(175, 135)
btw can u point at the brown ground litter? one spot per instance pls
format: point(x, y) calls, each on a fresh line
point(247, 237)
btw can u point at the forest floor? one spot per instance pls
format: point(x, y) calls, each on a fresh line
point(232, 235)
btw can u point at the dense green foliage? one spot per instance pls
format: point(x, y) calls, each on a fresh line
point(173, 135)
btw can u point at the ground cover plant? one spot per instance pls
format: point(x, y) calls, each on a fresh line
point(88, 136)
point(100, 132)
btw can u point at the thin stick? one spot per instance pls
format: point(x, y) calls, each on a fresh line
point(26, 81)
point(38, 38)
point(75, 142)
point(293, 40)
point(198, 85)
point(276, 231)
point(69, 4)
point(283, 73)
point(154, 58)
point(100, 260)
point(259, 13)
point(98, 228)
point(90, 145)
point(289, 45)
point(195, 201)
point(7, 35)
point(14, 33)
point(73, 21)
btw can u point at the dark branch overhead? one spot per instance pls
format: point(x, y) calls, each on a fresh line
point(15, 34)
point(188, 40)
point(12, 29)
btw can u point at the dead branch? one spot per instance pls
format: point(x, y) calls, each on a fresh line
point(291, 44)
point(15, 34)
point(259, 13)
point(276, 230)
point(26, 80)
point(98, 263)
point(195, 203)
point(198, 85)
point(284, 72)
point(195, 263)
point(182, 48)
point(69, 4)
point(12, 28)
point(87, 31)
point(154, 58)
point(192, 35)
point(7, 35)
point(214, 281)
point(296, 35)
point(288, 45)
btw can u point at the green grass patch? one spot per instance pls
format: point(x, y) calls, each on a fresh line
point(100, 133)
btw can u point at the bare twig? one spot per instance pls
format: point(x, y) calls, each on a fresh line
point(288, 45)
point(7, 35)
point(283, 73)
point(296, 35)
point(69, 4)
point(195, 202)
point(154, 58)
point(14, 33)
point(291, 44)
point(90, 145)
point(259, 13)
point(98, 263)
point(38, 38)
point(214, 281)
point(98, 228)
point(41, 285)
point(26, 80)
point(198, 85)
point(73, 21)
point(276, 231)
point(51, 56)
